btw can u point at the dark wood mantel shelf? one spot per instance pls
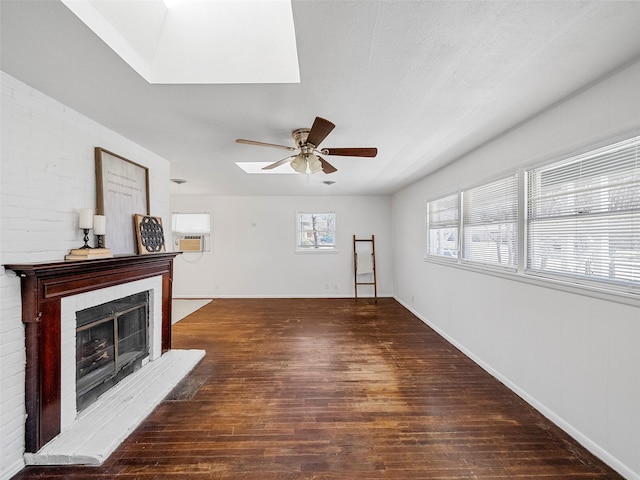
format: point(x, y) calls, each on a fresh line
point(43, 286)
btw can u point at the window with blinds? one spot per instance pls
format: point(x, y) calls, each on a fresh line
point(490, 224)
point(443, 220)
point(583, 216)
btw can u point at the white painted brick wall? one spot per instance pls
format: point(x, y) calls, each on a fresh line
point(47, 173)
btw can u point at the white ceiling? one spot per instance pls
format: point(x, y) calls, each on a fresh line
point(424, 81)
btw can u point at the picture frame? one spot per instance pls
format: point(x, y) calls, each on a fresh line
point(122, 190)
point(149, 234)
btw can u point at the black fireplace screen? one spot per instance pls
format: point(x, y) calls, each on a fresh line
point(111, 341)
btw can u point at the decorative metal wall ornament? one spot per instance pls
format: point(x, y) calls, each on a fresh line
point(149, 234)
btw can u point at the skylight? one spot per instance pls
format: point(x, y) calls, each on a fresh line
point(197, 41)
point(256, 167)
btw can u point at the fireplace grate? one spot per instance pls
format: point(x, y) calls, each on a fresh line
point(111, 342)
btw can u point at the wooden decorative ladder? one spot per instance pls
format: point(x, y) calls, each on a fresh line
point(366, 268)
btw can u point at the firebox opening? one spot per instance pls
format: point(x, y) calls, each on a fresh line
point(111, 341)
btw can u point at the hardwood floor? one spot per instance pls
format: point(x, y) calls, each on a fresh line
point(334, 389)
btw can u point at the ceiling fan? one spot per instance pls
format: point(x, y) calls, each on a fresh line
point(308, 159)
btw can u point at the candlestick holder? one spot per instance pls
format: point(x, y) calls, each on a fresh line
point(86, 238)
point(99, 241)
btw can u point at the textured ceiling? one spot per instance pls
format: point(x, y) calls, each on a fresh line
point(425, 82)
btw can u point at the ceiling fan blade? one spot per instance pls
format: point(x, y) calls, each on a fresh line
point(263, 144)
point(278, 163)
point(326, 166)
point(351, 152)
point(319, 131)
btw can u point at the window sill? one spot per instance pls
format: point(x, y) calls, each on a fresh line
point(628, 297)
point(315, 251)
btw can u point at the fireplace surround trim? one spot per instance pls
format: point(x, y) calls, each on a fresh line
point(43, 285)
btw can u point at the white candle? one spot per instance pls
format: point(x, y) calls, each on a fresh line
point(99, 224)
point(86, 218)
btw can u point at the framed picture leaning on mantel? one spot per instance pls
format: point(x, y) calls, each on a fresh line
point(122, 189)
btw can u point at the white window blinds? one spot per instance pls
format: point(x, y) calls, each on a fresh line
point(191, 223)
point(583, 216)
point(490, 223)
point(443, 220)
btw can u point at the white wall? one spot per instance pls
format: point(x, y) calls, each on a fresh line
point(47, 173)
point(253, 248)
point(575, 357)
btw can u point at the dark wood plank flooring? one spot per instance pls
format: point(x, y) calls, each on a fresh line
point(334, 389)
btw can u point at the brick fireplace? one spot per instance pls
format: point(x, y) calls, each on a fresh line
point(54, 292)
point(73, 309)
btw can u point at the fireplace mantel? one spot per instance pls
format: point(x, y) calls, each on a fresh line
point(43, 286)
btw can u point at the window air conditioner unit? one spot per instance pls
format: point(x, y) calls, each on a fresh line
point(190, 243)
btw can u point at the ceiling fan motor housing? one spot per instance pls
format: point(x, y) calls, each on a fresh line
point(300, 136)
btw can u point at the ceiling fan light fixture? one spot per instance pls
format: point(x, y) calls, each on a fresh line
point(314, 163)
point(299, 164)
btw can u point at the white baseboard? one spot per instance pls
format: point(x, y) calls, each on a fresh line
point(193, 297)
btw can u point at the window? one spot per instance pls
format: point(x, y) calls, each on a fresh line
point(490, 223)
point(582, 225)
point(316, 231)
point(442, 227)
point(191, 231)
point(583, 216)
